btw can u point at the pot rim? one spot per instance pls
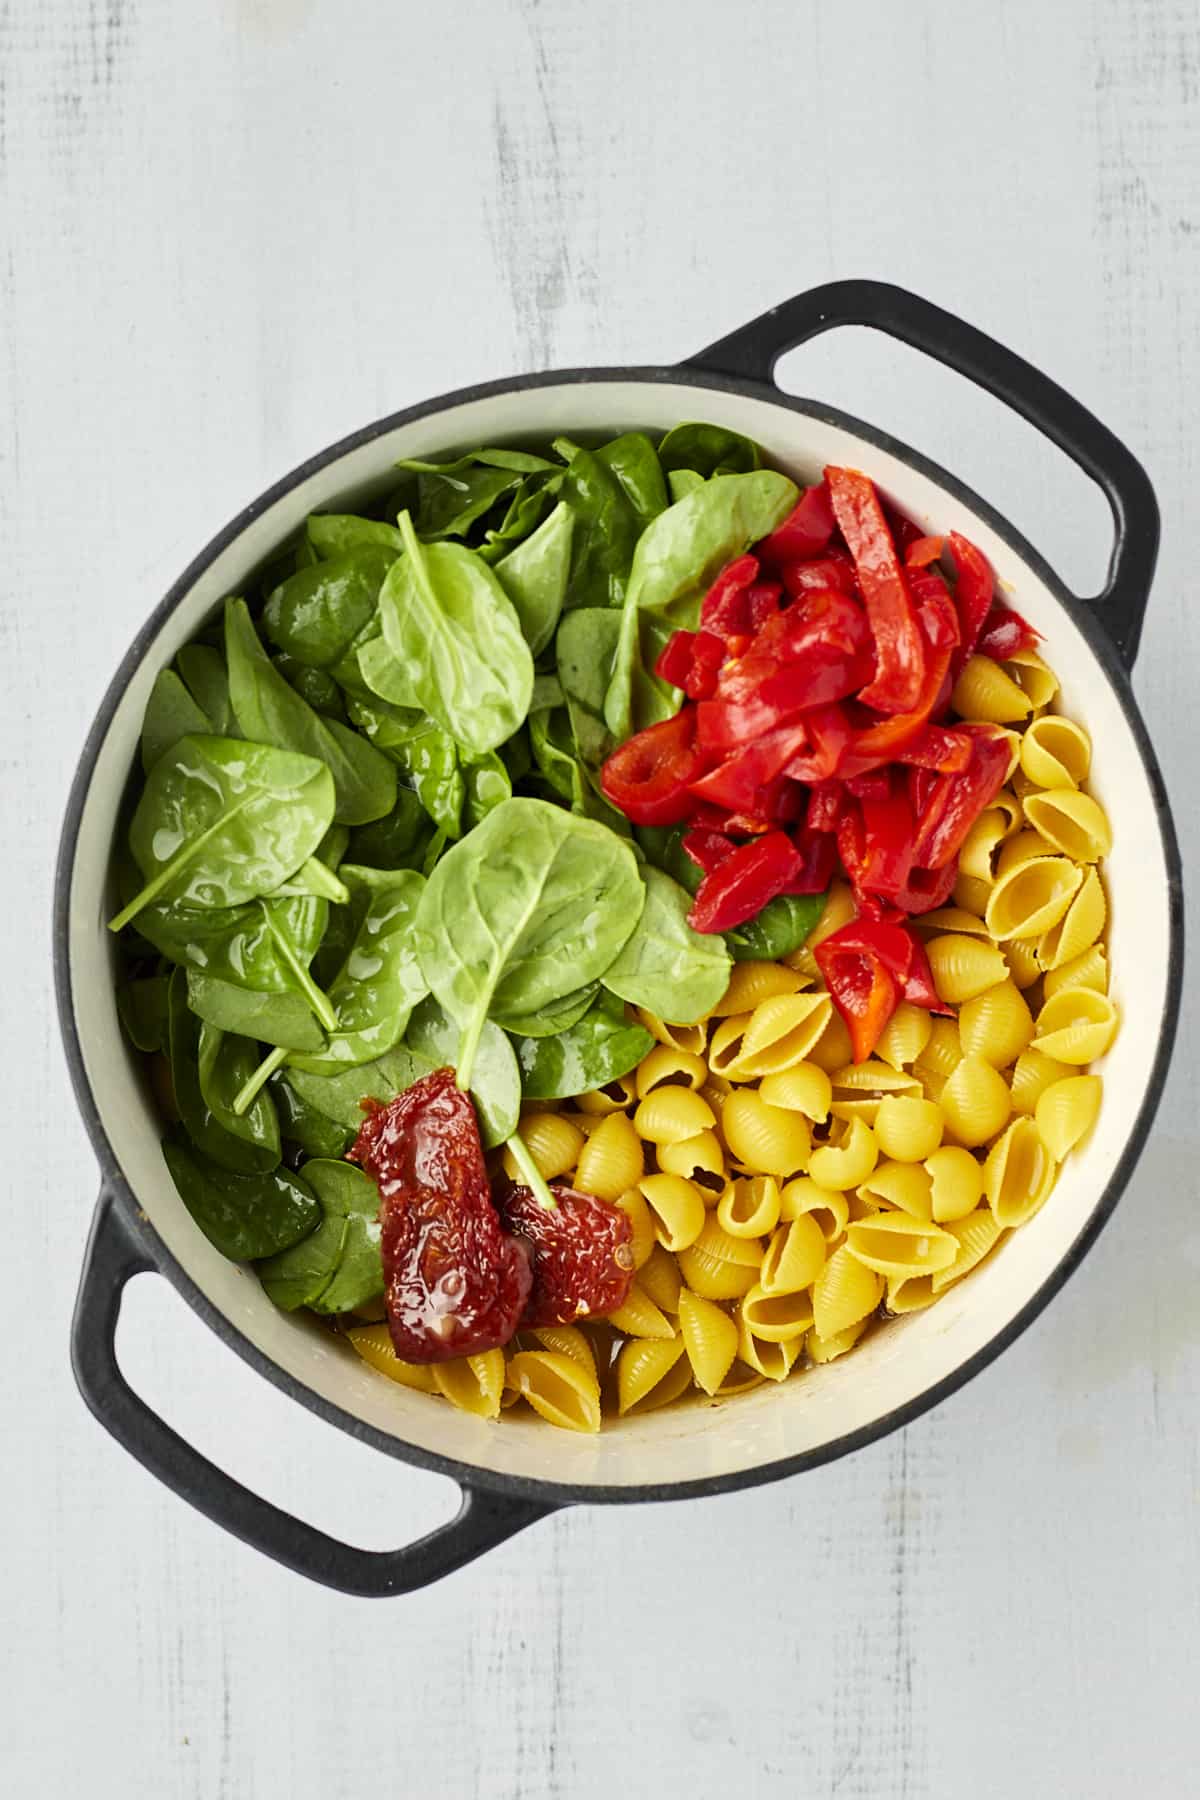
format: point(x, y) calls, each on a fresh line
point(471, 1475)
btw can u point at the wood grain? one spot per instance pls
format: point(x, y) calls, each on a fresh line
point(236, 231)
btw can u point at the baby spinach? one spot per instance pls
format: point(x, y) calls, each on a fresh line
point(385, 675)
point(244, 1216)
point(532, 905)
point(663, 846)
point(535, 574)
point(448, 621)
point(317, 686)
point(341, 534)
point(285, 1020)
point(380, 980)
point(205, 1123)
point(635, 463)
point(170, 714)
point(226, 1063)
point(339, 1097)
point(142, 1009)
point(600, 1047)
point(606, 530)
point(553, 746)
point(398, 841)
point(665, 966)
point(495, 1080)
point(265, 944)
point(452, 495)
point(270, 711)
point(221, 821)
point(338, 1266)
point(425, 754)
point(207, 680)
point(585, 646)
point(316, 614)
point(683, 481)
point(528, 505)
point(781, 927)
point(304, 1125)
point(549, 1020)
point(487, 784)
point(708, 450)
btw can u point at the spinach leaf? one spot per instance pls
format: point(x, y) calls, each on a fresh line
point(528, 506)
point(339, 1097)
point(515, 752)
point(549, 1020)
point(340, 534)
point(600, 1047)
point(683, 481)
point(304, 1125)
point(207, 679)
point(495, 1081)
point(205, 1124)
point(270, 711)
point(677, 558)
point(398, 841)
point(665, 966)
point(452, 495)
point(634, 461)
point(244, 1216)
point(781, 927)
point(663, 846)
point(265, 944)
point(316, 614)
point(380, 980)
point(170, 714)
point(142, 1008)
point(708, 450)
point(585, 647)
point(534, 576)
point(221, 821)
point(226, 1063)
point(450, 624)
point(606, 530)
point(317, 686)
point(533, 904)
point(385, 675)
point(487, 784)
point(338, 1266)
point(285, 1020)
point(553, 746)
point(426, 756)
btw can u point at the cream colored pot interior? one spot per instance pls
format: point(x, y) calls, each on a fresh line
point(897, 1364)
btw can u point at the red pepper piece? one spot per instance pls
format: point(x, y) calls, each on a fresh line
point(675, 658)
point(957, 800)
point(455, 1284)
point(939, 747)
point(863, 990)
point(1006, 633)
point(817, 851)
point(745, 881)
point(899, 646)
point(922, 784)
point(875, 786)
point(905, 531)
point(738, 782)
point(922, 551)
point(888, 827)
point(762, 601)
point(824, 806)
point(706, 848)
point(972, 594)
point(708, 653)
point(925, 889)
point(883, 743)
point(724, 607)
point(805, 532)
point(835, 570)
point(582, 1262)
point(647, 777)
point(829, 734)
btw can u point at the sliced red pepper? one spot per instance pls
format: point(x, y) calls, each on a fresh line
point(939, 747)
point(829, 734)
point(888, 827)
point(675, 658)
point(805, 532)
point(762, 603)
point(922, 551)
point(742, 885)
point(737, 783)
point(706, 848)
point(883, 743)
point(972, 594)
point(905, 531)
point(957, 801)
point(824, 806)
point(922, 783)
point(1006, 634)
point(863, 990)
point(899, 646)
point(925, 889)
point(875, 786)
point(818, 859)
point(723, 608)
point(708, 653)
point(835, 570)
point(647, 778)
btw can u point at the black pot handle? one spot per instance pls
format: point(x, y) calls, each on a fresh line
point(116, 1251)
point(753, 351)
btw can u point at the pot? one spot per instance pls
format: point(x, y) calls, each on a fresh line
point(514, 1473)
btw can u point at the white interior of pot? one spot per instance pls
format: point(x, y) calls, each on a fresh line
point(897, 1363)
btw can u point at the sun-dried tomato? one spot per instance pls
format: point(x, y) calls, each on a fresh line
point(582, 1262)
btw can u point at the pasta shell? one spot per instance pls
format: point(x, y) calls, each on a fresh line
point(943, 1053)
point(1019, 849)
point(710, 1338)
point(996, 1025)
point(1075, 823)
point(976, 1234)
point(473, 1383)
point(1032, 1074)
point(643, 1368)
point(553, 1142)
point(839, 910)
point(782, 1031)
point(833, 1048)
point(777, 1318)
point(1018, 1173)
point(670, 1115)
point(727, 1042)
point(956, 1183)
point(773, 1360)
point(970, 894)
point(678, 1037)
point(665, 1067)
point(611, 1161)
point(828, 1208)
point(1066, 1111)
point(1079, 926)
point(640, 1317)
point(955, 918)
point(981, 843)
point(909, 1129)
point(1076, 1025)
point(615, 1097)
point(374, 1344)
point(908, 1293)
point(1056, 752)
point(661, 1280)
point(567, 1340)
point(1032, 897)
point(678, 1208)
point(769, 1140)
point(901, 1187)
point(700, 1159)
point(964, 966)
point(718, 1266)
point(903, 1037)
point(894, 1244)
point(749, 1207)
point(641, 1224)
point(739, 1379)
point(845, 1165)
point(752, 982)
point(803, 1088)
point(844, 1292)
point(1089, 970)
point(1023, 962)
point(985, 693)
point(975, 1102)
point(1037, 680)
point(828, 1349)
point(794, 1258)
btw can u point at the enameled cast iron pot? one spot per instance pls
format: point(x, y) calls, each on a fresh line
point(515, 1472)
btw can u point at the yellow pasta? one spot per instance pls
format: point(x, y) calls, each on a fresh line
point(553, 1142)
point(975, 1102)
point(639, 1317)
point(614, 1098)
point(567, 1340)
point(700, 1159)
point(975, 1235)
point(1022, 961)
point(943, 1053)
point(954, 918)
point(827, 1349)
point(833, 1048)
point(956, 1183)
point(1032, 1074)
point(641, 1224)
point(1036, 678)
point(1056, 753)
point(826, 1206)
point(473, 1383)
point(650, 1373)
point(794, 1258)
point(769, 1140)
point(983, 691)
point(374, 1345)
point(660, 1280)
point(996, 1025)
point(752, 982)
point(1020, 849)
point(774, 1360)
point(970, 897)
point(779, 1032)
point(1018, 1173)
point(964, 966)
point(727, 1042)
point(710, 1338)
point(670, 1115)
point(844, 1292)
point(749, 1207)
point(1076, 1025)
point(848, 1163)
point(839, 909)
point(1032, 897)
point(718, 1266)
point(558, 1388)
point(665, 1067)
point(901, 1187)
point(611, 1161)
point(803, 1088)
point(678, 1208)
point(1078, 928)
point(909, 1129)
point(981, 843)
point(904, 1037)
point(1066, 1112)
point(859, 1088)
point(677, 1037)
point(908, 1293)
point(739, 1379)
point(1089, 970)
point(777, 1318)
point(1073, 822)
point(895, 1244)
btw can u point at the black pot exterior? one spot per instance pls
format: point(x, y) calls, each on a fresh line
point(124, 1243)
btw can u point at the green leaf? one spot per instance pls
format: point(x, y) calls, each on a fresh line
point(782, 926)
point(599, 1048)
point(221, 821)
point(534, 576)
point(666, 967)
point(663, 846)
point(317, 686)
point(209, 1126)
point(207, 680)
point(495, 1080)
point(452, 495)
point(487, 785)
point(282, 1019)
point(528, 506)
point(244, 1216)
point(304, 1125)
point(170, 714)
point(586, 645)
point(340, 1096)
point(226, 1063)
point(341, 534)
point(338, 1267)
point(316, 614)
point(425, 754)
point(398, 841)
point(259, 945)
point(380, 980)
point(606, 530)
point(708, 450)
point(681, 482)
point(142, 1008)
point(270, 711)
point(560, 1015)
point(450, 624)
point(634, 461)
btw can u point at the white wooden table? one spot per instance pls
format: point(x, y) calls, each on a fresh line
point(235, 232)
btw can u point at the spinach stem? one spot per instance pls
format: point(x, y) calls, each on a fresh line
point(468, 1044)
point(320, 1003)
point(321, 881)
point(248, 1092)
point(534, 1179)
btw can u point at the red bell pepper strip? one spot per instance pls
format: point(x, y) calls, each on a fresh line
point(972, 594)
point(887, 839)
point(922, 784)
point(675, 658)
point(706, 848)
point(742, 885)
point(805, 532)
point(939, 747)
point(829, 734)
point(647, 777)
point(925, 889)
point(899, 646)
point(818, 859)
point(863, 990)
point(824, 806)
point(883, 743)
point(762, 603)
point(905, 531)
point(957, 800)
point(832, 571)
point(708, 653)
point(923, 551)
point(723, 608)
point(1006, 633)
point(737, 783)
